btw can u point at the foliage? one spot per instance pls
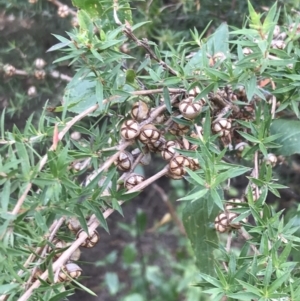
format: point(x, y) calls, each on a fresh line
point(222, 100)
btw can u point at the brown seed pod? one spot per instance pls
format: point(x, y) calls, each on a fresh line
point(130, 129)
point(31, 92)
point(91, 240)
point(278, 44)
point(223, 222)
point(133, 180)
point(70, 269)
point(190, 109)
point(178, 129)
point(219, 57)
point(241, 146)
point(177, 165)
point(39, 74)
point(124, 161)
point(40, 63)
point(293, 26)
point(157, 146)
point(63, 11)
point(174, 177)
point(255, 193)
point(195, 91)
point(247, 51)
point(168, 151)
point(75, 22)
point(74, 225)
point(194, 164)
point(149, 134)
point(222, 127)
point(38, 273)
point(58, 246)
point(76, 255)
point(9, 70)
point(187, 145)
point(230, 206)
point(140, 111)
point(271, 159)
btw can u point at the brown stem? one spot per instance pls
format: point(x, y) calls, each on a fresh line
point(141, 43)
point(59, 4)
point(171, 208)
point(93, 224)
point(45, 158)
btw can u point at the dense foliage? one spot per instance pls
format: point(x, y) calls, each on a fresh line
point(202, 106)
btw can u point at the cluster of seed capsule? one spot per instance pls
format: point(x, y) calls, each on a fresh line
point(70, 270)
point(154, 139)
point(224, 222)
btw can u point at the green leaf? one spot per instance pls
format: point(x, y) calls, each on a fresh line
point(290, 136)
point(194, 196)
point(6, 288)
point(167, 99)
point(199, 227)
point(130, 76)
point(96, 210)
point(62, 295)
point(218, 42)
point(5, 196)
point(278, 282)
point(112, 282)
point(104, 10)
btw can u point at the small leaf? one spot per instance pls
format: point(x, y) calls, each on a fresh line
point(167, 99)
point(112, 282)
point(130, 76)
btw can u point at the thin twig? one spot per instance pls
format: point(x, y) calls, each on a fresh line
point(248, 237)
point(141, 43)
point(45, 158)
point(255, 173)
point(59, 4)
point(222, 103)
point(171, 208)
point(228, 243)
point(92, 227)
point(50, 238)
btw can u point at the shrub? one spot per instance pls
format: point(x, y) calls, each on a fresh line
point(214, 108)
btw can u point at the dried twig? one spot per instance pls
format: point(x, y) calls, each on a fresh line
point(141, 43)
point(93, 224)
point(171, 208)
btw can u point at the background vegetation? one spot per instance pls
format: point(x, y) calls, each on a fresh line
point(147, 255)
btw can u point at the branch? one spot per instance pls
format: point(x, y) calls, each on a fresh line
point(141, 43)
point(172, 211)
point(45, 158)
point(93, 224)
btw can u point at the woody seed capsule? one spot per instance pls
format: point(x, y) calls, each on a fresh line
point(177, 165)
point(91, 240)
point(157, 146)
point(149, 134)
point(70, 269)
point(190, 109)
point(140, 111)
point(124, 161)
point(222, 127)
point(133, 180)
point(271, 159)
point(169, 151)
point(130, 129)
